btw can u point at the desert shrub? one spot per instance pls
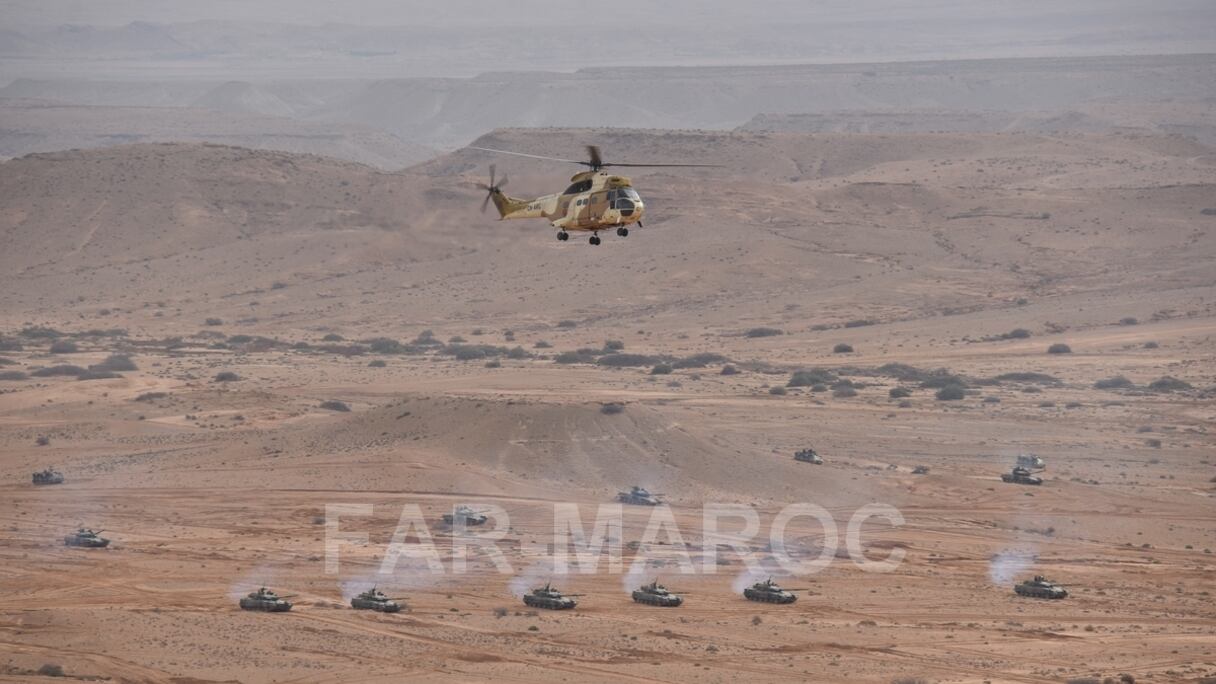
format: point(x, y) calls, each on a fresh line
point(1128, 321)
point(899, 392)
point(51, 371)
point(1116, 382)
point(910, 680)
point(729, 370)
point(115, 363)
point(477, 332)
point(1151, 345)
point(7, 344)
point(567, 324)
point(1083, 680)
point(97, 375)
point(386, 345)
point(859, 323)
point(226, 376)
point(627, 360)
point(12, 376)
point(494, 363)
point(905, 404)
point(63, 347)
point(40, 332)
point(574, 357)
point(213, 322)
point(332, 337)
point(51, 670)
point(542, 344)
point(661, 369)
point(900, 371)
point(240, 339)
point(42, 440)
point(1168, 384)
point(335, 405)
point(473, 352)
point(377, 363)
point(764, 332)
point(1026, 376)
point(950, 393)
point(1059, 348)
point(456, 339)
point(343, 349)
point(844, 392)
point(613, 345)
point(501, 612)
point(806, 378)
point(776, 390)
point(699, 360)
point(1153, 443)
point(819, 387)
point(992, 400)
point(517, 352)
point(612, 408)
point(151, 396)
point(7, 362)
point(1016, 334)
point(940, 378)
point(842, 348)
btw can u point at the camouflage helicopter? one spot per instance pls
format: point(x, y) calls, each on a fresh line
point(596, 199)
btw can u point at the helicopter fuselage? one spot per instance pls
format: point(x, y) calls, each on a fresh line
point(595, 201)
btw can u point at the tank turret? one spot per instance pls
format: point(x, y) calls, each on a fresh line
point(550, 599)
point(1040, 587)
point(265, 600)
point(1020, 475)
point(465, 514)
point(655, 594)
point(50, 476)
point(86, 538)
point(768, 591)
point(374, 599)
point(808, 456)
point(638, 496)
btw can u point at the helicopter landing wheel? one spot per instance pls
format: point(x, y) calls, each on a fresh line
point(595, 239)
point(563, 235)
point(622, 231)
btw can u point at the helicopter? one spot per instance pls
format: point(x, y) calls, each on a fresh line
point(596, 199)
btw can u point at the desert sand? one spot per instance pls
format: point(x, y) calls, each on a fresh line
point(971, 252)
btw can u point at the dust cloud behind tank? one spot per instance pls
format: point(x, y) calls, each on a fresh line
point(1040, 587)
point(374, 599)
point(638, 496)
point(266, 601)
point(550, 599)
point(86, 538)
point(50, 476)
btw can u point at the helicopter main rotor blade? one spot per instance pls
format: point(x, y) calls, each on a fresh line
point(707, 166)
point(530, 156)
point(594, 158)
point(486, 202)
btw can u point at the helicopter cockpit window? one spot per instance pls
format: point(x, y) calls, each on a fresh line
point(628, 192)
point(581, 186)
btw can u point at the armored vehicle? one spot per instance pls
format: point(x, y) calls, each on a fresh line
point(655, 594)
point(265, 600)
point(465, 514)
point(638, 496)
point(1040, 587)
point(86, 538)
point(1031, 462)
point(550, 599)
point(1020, 475)
point(373, 599)
point(920, 470)
point(808, 456)
point(48, 477)
point(768, 591)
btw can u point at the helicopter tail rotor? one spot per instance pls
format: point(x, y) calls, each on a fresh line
point(492, 188)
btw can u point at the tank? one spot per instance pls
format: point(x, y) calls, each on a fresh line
point(808, 456)
point(550, 599)
point(1020, 475)
point(920, 470)
point(470, 516)
point(373, 599)
point(265, 600)
point(1040, 587)
point(768, 591)
point(48, 477)
point(638, 496)
point(655, 594)
point(86, 538)
point(1031, 462)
